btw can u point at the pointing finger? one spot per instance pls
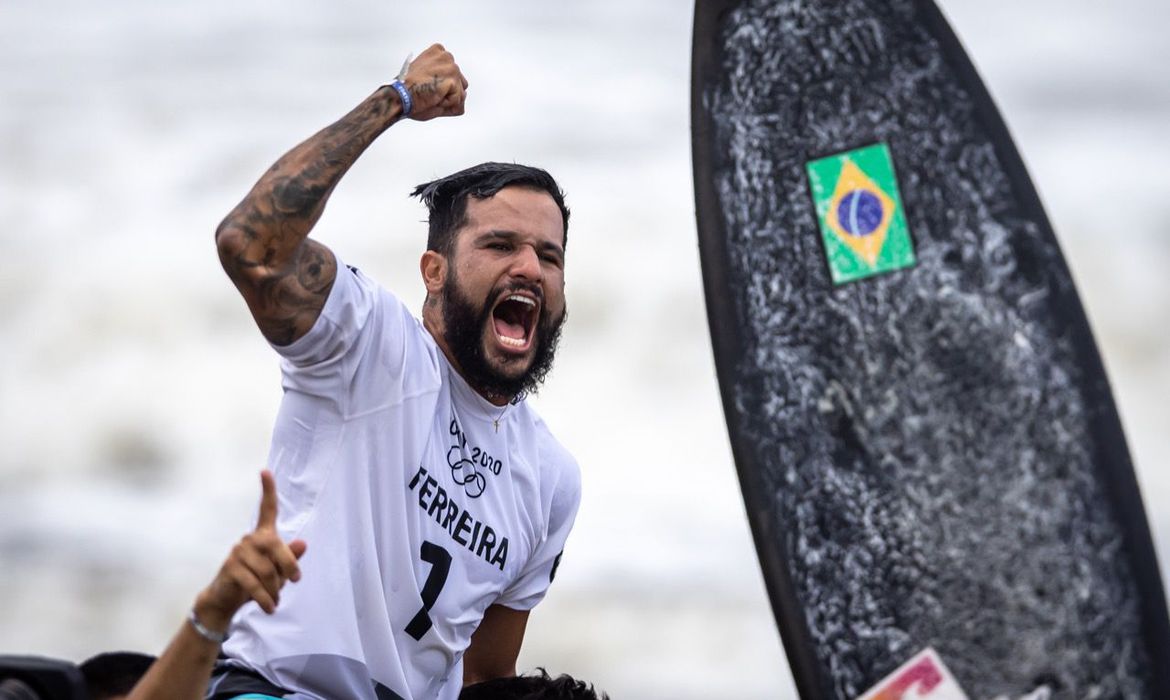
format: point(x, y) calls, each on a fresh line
point(267, 517)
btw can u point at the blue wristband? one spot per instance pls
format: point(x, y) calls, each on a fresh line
point(403, 97)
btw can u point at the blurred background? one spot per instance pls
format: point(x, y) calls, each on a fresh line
point(136, 398)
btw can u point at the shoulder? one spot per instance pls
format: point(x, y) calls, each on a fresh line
point(385, 318)
point(354, 307)
point(366, 351)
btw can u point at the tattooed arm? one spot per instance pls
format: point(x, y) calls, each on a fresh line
point(263, 243)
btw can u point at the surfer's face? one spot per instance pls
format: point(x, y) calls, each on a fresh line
point(502, 292)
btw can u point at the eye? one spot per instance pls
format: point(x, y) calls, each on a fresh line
point(500, 246)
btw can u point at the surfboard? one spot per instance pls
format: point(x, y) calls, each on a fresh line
point(923, 430)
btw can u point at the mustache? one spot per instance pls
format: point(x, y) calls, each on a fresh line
point(513, 287)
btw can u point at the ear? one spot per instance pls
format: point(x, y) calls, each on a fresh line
point(433, 267)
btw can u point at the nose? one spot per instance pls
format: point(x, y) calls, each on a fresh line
point(526, 264)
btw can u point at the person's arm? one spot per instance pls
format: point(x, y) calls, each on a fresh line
point(263, 243)
point(257, 568)
point(495, 645)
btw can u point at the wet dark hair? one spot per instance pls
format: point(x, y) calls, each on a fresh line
point(446, 198)
point(532, 687)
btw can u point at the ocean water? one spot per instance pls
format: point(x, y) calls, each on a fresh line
point(136, 397)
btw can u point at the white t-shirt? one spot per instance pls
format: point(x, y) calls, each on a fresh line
point(418, 512)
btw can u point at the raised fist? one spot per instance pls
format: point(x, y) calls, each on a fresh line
point(437, 87)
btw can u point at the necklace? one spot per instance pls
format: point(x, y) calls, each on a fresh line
point(515, 400)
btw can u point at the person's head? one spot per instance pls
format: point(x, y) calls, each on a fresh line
point(538, 686)
point(112, 675)
point(15, 689)
point(494, 273)
point(25, 677)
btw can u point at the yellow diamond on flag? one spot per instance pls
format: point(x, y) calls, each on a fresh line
point(859, 213)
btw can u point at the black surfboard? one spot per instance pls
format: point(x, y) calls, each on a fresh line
point(925, 437)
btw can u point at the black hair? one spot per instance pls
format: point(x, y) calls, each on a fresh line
point(15, 689)
point(446, 197)
point(40, 678)
point(532, 687)
point(114, 674)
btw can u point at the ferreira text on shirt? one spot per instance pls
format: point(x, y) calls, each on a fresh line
point(468, 531)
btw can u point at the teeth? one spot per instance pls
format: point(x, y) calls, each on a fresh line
point(523, 300)
point(514, 342)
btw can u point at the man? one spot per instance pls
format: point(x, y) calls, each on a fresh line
point(182, 672)
point(436, 501)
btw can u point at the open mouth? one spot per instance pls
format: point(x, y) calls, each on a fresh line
point(513, 320)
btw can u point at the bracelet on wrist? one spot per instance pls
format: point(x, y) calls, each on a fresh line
point(203, 631)
point(403, 97)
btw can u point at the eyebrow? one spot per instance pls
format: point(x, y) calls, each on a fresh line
point(511, 236)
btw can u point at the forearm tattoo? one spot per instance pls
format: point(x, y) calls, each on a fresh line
point(263, 244)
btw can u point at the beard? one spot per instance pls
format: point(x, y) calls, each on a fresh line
point(464, 326)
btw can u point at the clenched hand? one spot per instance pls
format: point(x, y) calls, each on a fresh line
point(437, 87)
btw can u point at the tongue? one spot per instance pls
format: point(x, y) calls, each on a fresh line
point(509, 330)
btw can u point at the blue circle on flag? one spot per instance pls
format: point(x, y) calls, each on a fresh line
point(859, 212)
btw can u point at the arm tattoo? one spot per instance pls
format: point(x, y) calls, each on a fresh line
point(286, 305)
point(263, 242)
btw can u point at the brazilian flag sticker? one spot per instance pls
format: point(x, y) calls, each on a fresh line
point(860, 212)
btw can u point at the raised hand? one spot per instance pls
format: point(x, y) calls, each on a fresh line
point(284, 276)
point(437, 87)
point(257, 568)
